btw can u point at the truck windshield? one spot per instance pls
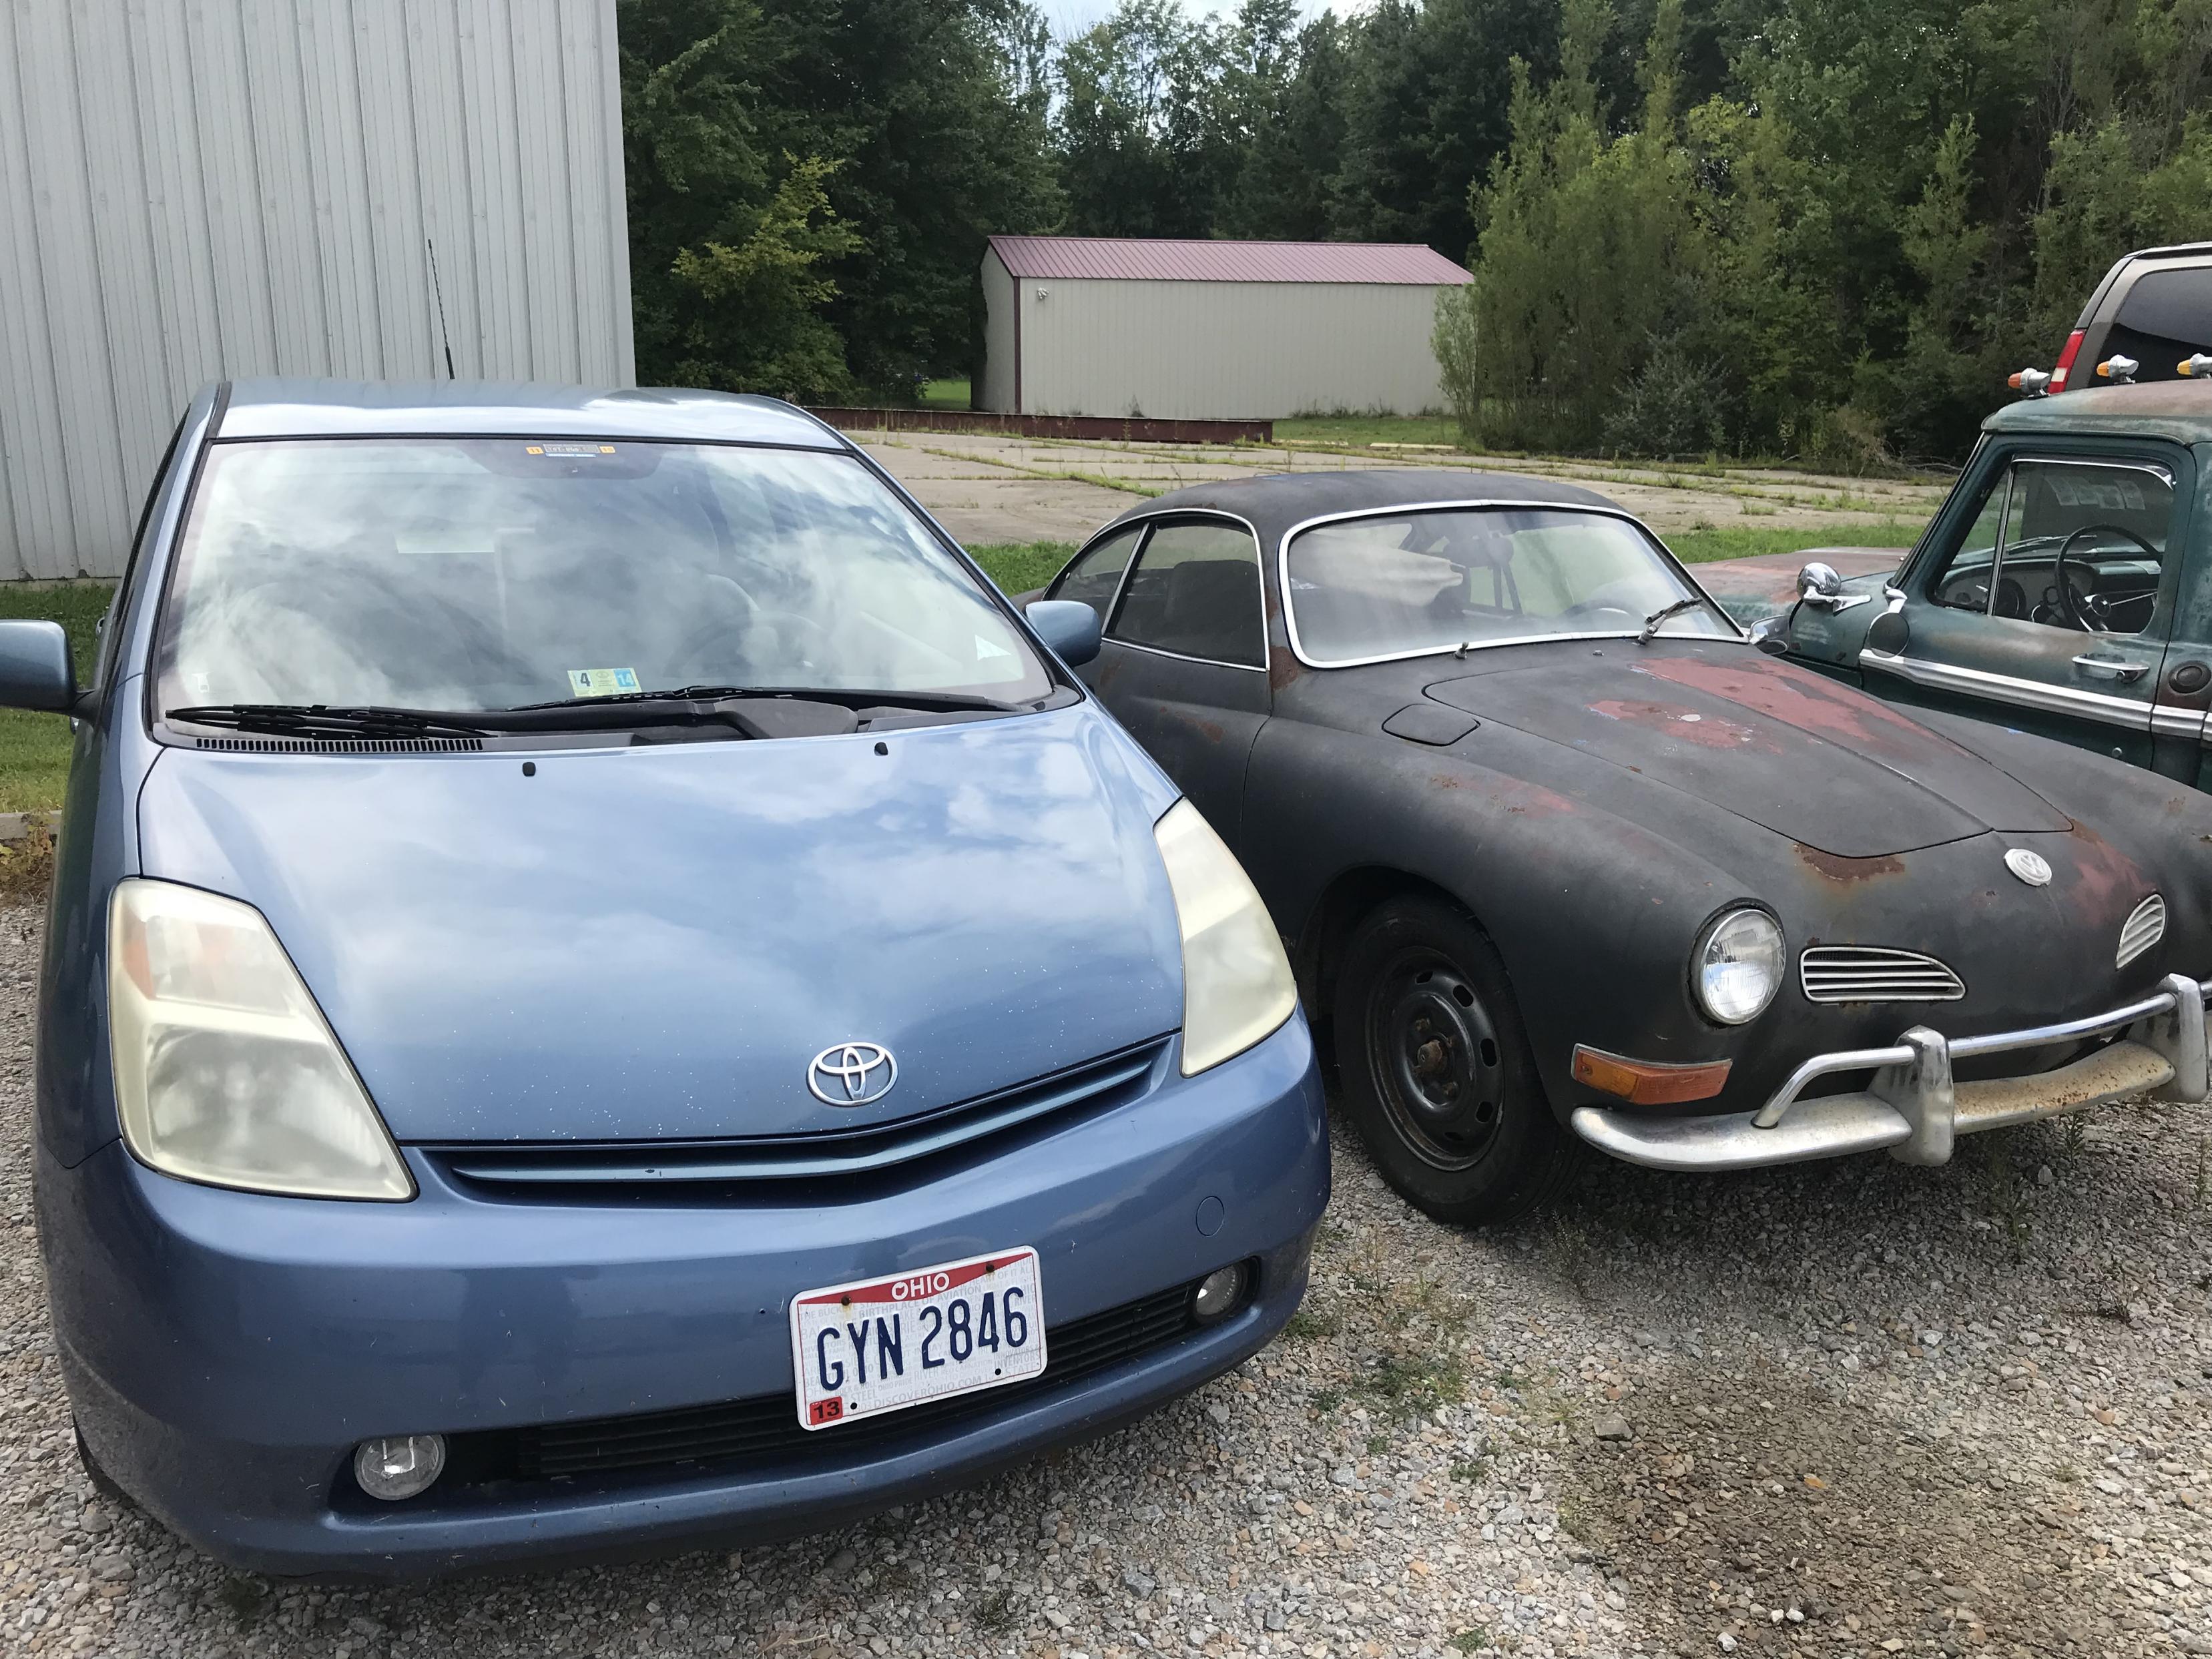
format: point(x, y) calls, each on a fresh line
point(1403, 583)
point(478, 574)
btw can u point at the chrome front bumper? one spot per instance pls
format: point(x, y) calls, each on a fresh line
point(1914, 1107)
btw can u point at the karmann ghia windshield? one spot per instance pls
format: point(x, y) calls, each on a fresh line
point(1414, 580)
point(481, 573)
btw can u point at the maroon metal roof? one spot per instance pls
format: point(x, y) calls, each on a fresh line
point(1150, 259)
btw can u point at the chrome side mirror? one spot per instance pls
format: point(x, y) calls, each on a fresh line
point(1771, 636)
point(1821, 587)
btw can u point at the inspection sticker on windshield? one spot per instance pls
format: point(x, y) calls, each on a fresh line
point(601, 682)
point(881, 1345)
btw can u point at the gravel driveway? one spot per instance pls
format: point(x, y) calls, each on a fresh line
point(1855, 1409)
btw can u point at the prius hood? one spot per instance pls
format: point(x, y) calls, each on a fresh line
point(655, 942)
point(1780, 746)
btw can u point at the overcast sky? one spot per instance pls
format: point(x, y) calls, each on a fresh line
point(1071, 17)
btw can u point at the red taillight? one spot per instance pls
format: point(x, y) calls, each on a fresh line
point(2066, 360)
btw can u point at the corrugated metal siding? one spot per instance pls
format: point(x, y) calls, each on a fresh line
point(1166, 259)
point(1218, 350)
point(199, 189)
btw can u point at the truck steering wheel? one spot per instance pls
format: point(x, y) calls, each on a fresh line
point(2078, 611)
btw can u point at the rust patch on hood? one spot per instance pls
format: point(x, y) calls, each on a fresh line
point(1797, 696)
point(1706, 730)
point(1836, 867)
point(2106, 882)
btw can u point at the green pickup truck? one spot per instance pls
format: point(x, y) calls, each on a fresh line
point(2065, 586)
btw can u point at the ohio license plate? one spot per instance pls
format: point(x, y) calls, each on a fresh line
point(880, 1344)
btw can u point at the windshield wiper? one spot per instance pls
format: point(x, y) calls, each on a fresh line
point(1651, 622)
point(293, 719)
point(687, 696)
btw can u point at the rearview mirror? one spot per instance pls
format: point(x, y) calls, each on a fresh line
point(1771, 636)
point(1068, 626)
point(1820, 584)
point(35, 668)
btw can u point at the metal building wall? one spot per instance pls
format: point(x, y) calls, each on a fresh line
point(1197, 350)
point(192, 190)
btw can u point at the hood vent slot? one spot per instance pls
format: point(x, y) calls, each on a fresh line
point(338, 746)
point(2143, 928)
point(1868, 973)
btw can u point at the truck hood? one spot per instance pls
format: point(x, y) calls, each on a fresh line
point(1783, 747)
point(655, 942)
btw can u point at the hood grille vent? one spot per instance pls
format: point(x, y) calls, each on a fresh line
point(1867, 973)
point(338, 746)
point(2143, 928)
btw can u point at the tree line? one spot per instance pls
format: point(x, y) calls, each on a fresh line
point(1818, 228)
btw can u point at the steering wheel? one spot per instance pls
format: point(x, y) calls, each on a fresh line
point(2079, 612)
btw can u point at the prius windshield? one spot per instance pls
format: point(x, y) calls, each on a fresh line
point(480, 573)
point(1403, 583)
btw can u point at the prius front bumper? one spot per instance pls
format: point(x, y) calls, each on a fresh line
point(1914, 1107)
point(225, 1351)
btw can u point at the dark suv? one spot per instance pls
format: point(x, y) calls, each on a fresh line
point(2155, 306)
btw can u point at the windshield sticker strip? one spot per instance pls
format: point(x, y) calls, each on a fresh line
point(602, 682)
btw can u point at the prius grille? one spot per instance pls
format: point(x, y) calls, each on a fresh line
point(764, 1429)
point(551, 1171)
point(2143, 929)
point(1867, 973)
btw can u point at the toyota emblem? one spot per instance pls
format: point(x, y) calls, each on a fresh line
point(852, 1073)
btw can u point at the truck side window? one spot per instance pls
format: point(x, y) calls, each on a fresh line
point(2066, 543)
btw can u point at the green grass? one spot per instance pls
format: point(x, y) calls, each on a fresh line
point(945, 394)
point(1702, 545)
point(1361, 430)
point(34, 749)
point(1017, 567)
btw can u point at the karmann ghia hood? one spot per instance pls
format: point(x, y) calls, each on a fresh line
point(1783, 747)
point(656, 942)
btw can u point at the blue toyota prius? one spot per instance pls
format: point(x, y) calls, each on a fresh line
point(603, 987)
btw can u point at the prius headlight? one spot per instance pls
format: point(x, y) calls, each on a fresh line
point(225, 1070)
point(1236, 985)
point(1738, 966)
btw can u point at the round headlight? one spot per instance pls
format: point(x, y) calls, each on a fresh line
point(1738, 968)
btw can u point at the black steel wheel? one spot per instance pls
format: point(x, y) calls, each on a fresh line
point(1436, 1073)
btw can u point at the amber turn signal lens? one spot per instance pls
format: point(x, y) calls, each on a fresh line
point(1646, 1082)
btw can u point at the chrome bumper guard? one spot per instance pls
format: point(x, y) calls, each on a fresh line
point(1914, 1108)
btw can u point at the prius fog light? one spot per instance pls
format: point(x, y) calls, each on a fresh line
point(1219, 1293)
point(399, 1466)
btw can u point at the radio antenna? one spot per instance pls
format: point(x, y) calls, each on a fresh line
point(438, 294)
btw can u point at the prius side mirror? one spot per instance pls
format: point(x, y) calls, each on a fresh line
point(36, 671)
point(1068, 626)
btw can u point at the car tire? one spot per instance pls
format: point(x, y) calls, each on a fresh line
point(102, 1482)
point(1437, 1072)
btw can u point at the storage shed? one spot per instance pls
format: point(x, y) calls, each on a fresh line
point(201, 189)
point(1205, 330)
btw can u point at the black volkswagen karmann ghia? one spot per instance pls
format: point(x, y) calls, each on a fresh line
point(1560, 854)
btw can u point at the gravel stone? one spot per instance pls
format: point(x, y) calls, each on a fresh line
point(1844, 1443)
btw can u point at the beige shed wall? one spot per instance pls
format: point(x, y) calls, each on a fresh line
point(1223, 350)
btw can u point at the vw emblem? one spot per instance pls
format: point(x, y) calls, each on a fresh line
point(852, 1073)
point(2031, 867)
